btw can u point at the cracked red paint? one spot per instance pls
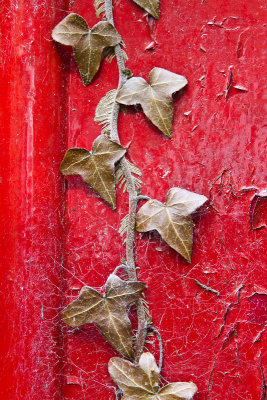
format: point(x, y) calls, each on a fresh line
point(258, 210)
point(258, 308)
point(48, 255)
point(73, 380)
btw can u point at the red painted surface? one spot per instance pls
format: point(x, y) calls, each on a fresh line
point(218, 150)
point(32, 139)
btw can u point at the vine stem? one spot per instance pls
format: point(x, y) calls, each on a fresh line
point(133, 197)
point(154, 330)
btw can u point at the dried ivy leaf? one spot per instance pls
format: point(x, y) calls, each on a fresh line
point(142, 381)
point(151, 6)
point(96, 167)
point(156, 98)
point(88, 45)
point(108, 312)
point(172, 220)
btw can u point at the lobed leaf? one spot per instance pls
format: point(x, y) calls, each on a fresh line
point(177, 390)
point(155, 98)
point(151, 6)
point(97, 168)
point(172, 220)
point(108, 312)
point(142, 381)
point(88, 44)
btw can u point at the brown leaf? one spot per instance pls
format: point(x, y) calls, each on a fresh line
point(96, 167)
point(172, 220)
point(108, 312)
point(88, 45)
point(142, 381)
point(156, 98)
point(151, 6)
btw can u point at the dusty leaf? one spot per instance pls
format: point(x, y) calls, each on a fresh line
point(155, 98)
point(142, 381)
point(151, 6)
point(88, 44)
point(108, 312)
point(173, 219)
point(96, 167)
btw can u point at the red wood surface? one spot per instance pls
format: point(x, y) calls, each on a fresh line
point(33, 104)
point(48, 254)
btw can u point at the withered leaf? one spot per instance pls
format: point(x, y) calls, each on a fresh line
point(88, 44)
point(108, 312)
point(151, 6)
point(142, 381)
point(172, 220)
point(155, 98)
point(96, 167)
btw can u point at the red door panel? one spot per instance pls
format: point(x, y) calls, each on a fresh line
point(58, 235)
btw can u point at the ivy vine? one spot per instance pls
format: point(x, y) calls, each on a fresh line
point(137, 375)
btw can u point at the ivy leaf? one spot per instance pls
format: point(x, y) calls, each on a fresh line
point(142, 381)
point(108, 312)
point(172, 220)
point(96, 167)
point(155, 98)
point(151, 6)
point(88, 44)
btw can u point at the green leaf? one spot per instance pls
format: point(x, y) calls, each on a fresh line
point(97, 168)
point(155, 98)
point(172, 220)
point(88, 44)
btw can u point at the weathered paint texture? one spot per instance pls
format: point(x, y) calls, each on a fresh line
point(218, 150)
